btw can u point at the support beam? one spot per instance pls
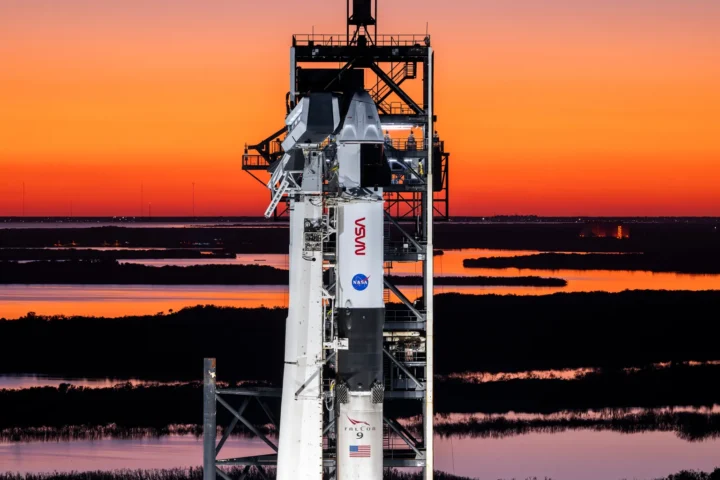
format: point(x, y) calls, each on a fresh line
point(329, 426)
point(414, 242)
point(403, 299)
point(408, 441)
point(209, 418)
point(249, 425)
point(267, 411)
point(396, 89)
point(404, 369)
point(224, 475)
point(229, 430)
point(429, 287)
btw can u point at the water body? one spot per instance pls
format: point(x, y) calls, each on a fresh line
point(131, 224)
point(19, 381)
point(120, 300)
point(16, 382)
point(571, 455)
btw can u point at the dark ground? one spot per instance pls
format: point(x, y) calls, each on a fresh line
point(157, 406)
point(690, 261)
point(671, 235)
point(491, 333)
point(109, 271)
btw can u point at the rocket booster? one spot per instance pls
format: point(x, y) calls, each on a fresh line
point(361, 308)
point(361, 315)
point(359, 170)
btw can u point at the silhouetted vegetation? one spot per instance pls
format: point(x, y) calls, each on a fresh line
point(650, 235)
point(689, 426)
point(112, 272)
point(507, 333)
point(693, 475)
point(268, 238)
point(123, 410)
point(254, 474)
point(490, 333)
point(646, 388)
point(563, 234)
point(192, 474)
point(109, 271)
point(528, 281)
point(681, 262)
point(160, 347)
point(90, 254)
point(159, 409)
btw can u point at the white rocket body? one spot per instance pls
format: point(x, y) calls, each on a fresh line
point(300, 442)
point(361, 308)
point(358, 296)
point(361, 316)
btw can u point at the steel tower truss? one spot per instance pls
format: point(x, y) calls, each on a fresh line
point(419, 193)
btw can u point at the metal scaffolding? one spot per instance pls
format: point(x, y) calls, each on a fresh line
point(418, 195)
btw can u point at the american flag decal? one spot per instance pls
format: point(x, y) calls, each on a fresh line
point(359, 451)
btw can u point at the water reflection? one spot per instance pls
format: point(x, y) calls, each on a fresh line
point(271, 260)
point(121, 300)
point(574, 455)
point(450, 264)
point(564, 374)
point(110, 454)
point(571, 455)
point(17, 382)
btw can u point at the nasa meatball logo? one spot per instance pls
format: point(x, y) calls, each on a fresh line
point(360, 282)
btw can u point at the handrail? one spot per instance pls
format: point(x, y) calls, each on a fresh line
point(339, 39)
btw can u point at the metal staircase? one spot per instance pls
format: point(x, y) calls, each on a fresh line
point(398, 73)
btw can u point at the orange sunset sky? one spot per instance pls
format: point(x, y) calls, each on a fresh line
point(553, 107)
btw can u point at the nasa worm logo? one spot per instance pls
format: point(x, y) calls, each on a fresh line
point(360, 236)
point(360, 282)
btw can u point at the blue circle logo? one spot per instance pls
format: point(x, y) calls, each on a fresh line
point(360, 282)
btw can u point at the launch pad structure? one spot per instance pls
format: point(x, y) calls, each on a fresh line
point(337, 177)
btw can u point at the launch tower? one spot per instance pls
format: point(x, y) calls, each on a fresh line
point(358, 350)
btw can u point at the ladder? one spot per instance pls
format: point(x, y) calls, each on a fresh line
point(277, 196)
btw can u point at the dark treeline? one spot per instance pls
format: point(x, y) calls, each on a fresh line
point(161, 347)
point(506, 333)
point(565, 237)
point(260, 239)
point(490, 333)
point(124, 254)
point(273, 238)
point(681, 262)
point(112, 272)
point(688, 426)
point(197, 474)
point(159, 407)
point(527, 281)
point(109, 271)
point(647, 388)
point(125, 407)
point(235, 472)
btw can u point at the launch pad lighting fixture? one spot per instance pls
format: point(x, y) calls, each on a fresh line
point(393, 126)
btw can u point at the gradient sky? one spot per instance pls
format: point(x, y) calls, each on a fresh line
point(555, 107)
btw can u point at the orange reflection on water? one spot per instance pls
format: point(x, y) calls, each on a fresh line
point(121, 300)
point(450, 264)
